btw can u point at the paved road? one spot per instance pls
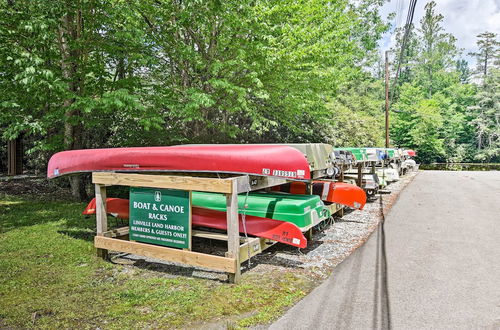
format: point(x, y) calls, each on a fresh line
point(434, 264)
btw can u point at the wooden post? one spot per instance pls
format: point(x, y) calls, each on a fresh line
point(309, 191)
point(360, 175)
point(233, 233)
point(101, 216)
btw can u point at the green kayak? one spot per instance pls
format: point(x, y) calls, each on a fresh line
point(305, 211)
point(359, 153)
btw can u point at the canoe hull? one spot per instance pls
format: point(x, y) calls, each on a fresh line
point(280, 231)
point(303, 211)
point(264, 160)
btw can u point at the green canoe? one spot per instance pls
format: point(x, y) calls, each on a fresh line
point(305, 211)
point(390, 152)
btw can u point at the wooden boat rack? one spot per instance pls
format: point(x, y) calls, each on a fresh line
point(239, 248)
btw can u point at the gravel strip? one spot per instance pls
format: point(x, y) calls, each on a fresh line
point(336, 241)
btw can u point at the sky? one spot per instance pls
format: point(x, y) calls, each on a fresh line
point(465, 19)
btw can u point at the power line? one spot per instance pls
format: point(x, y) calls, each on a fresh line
point(409, 21)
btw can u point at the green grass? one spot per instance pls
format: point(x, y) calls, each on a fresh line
point(50, 277)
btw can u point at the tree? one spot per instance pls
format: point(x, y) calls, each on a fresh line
point(57, 64)
point(488, 54)
point(486, 118)
point(462, 67)
point(437, 51)
point(357, 114)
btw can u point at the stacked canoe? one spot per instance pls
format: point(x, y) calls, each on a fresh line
point(311, 173)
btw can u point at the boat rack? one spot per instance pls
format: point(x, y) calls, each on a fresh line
point(239, 248)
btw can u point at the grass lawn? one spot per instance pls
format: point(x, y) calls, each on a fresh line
point(50, 277)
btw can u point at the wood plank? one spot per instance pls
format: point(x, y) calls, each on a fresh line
point(334, 208)
point(163, 181)
point(117, 232)
point(100, 202)
point(210, 235)
point(257, 245)
point(262, 182)
point(243, 184)
point(101, 216)
point(360, 175)
point(233, 234)
point(190, 225)
point(168, 254)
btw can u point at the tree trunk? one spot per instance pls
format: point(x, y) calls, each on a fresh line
point(69, 29)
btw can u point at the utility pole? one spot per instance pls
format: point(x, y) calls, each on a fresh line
point(387, 99)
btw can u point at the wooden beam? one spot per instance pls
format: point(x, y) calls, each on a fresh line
point(233, 234)
point(101, 215)
point(334, 208)
point(168, 254)
point(257, 245)
point(117, 232)
point(163, 181)
point(261, 182)
point(210, 235)
point(360, 175)
point(243, 184)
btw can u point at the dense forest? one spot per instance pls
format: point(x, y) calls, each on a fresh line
point(90, 73)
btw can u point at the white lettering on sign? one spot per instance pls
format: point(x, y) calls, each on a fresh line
point(171, 208)
point(156, 216)
point(142, 205)
point(141, 229)
point(163, 207)
point(141, 223)
point(288, 174)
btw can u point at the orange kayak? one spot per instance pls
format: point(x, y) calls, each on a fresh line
point(333, 192)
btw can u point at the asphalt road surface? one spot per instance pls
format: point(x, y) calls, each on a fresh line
point(433, 264)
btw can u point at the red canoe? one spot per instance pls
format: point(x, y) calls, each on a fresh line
point(329, 191)
point(280, 231)
point(267, 160)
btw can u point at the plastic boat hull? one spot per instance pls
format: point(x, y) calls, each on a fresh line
point(304, 211)
point(280, 231)
point(264, 160)
point(330, 191)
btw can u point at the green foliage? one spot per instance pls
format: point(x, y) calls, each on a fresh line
point(439, 111)
point(88, 74)
point(140, 72)
point(357, 115)
point(485, 114)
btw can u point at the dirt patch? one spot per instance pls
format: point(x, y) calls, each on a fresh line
point(40, 187)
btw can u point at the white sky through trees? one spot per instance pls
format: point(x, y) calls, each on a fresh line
point(465, 19)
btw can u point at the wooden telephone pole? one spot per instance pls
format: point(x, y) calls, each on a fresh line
point(387, 99)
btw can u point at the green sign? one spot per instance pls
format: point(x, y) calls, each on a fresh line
point(160, 216)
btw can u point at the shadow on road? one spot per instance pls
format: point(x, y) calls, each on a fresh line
point(381, 317)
